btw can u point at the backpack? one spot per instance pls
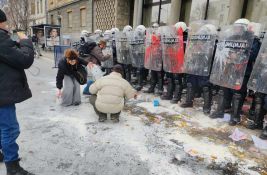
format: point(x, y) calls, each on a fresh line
point(86, 48)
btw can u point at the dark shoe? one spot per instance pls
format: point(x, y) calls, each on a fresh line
point(170, 88)
point(189, 97)
point(115, 118)
point(216, 114)
point(1, 157)
point(102, 117)
point(77, 103)
point(13, 168)
point(252, 125)
point(207, 100)
point(187, 105)
point(138, 88)
point(219, 113)
point(256, 121)
point(177, 95)
point(236, 108)
point(263, 135)
point(165, 96)
point(149, 91)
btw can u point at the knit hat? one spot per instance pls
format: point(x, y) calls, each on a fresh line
point(118, 68)
point(2, 16)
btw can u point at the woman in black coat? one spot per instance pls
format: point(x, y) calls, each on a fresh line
point(67, 69)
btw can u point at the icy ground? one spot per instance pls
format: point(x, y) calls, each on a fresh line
point(164, 140)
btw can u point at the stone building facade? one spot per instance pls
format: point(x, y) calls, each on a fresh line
point(73, 16)
point(111, 13)
point(77, 15)
point(38, 9)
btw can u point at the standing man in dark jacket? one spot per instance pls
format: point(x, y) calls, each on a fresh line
point(14, 58)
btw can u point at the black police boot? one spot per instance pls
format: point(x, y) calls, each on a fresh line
point(1, 156)
point(128, 73)
point(160, 84)
point(13, 168)
point(207, 100)
point(168, 95)
point(236, 108)
point(153, 83)
point(115, 117)
point(264, 133)
point(257, 119)
point(189, 97)
point(252, 107)
point(177, 95)
point(219, 113)
point(140, 80)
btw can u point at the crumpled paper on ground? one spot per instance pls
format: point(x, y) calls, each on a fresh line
point(226, 118)
point(259, 143)
point(237, 135)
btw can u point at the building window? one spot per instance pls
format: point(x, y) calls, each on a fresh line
point(156, 11)
point(70, 19)
point(32, 8)
point(52, 19)
point(38, 5)
point(83, 17)
point(41, 8)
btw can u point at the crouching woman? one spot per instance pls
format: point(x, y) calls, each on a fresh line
point(67, 71)
point(110, 92)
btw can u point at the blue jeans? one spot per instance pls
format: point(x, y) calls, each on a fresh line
point(9, 132)
point(86, 88)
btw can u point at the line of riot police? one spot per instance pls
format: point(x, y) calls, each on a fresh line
point(198, 59)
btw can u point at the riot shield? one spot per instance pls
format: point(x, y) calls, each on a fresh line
point(153, 51)
point(200, 48)
point(231, 58)
point(122, 47)
point(137, 48)
point(108, 51)
point(258, 78)
point(172, 49)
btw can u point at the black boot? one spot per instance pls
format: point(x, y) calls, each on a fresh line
point(102, 117)
point(13, 168)
point(153, 82)
point(257, 119)
point(189, 97)
point(140, 79)
point(264, 133)
point(236, 108)
point(1, 157)
point(177, 95)
point(170, 87)
point(160, 84)
point(251, 111)
point(115, 117)
point(219, 113)
point(207, 100)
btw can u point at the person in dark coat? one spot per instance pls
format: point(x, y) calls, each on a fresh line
point(14, 59)
point(66, 71)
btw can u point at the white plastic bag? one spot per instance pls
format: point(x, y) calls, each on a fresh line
point(96, 71)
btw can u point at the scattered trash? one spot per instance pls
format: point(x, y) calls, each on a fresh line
point(156, 102)
point(226, 118)
point(259, 143)
point(192, 152)
point(238, 135)
point(181, 124)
